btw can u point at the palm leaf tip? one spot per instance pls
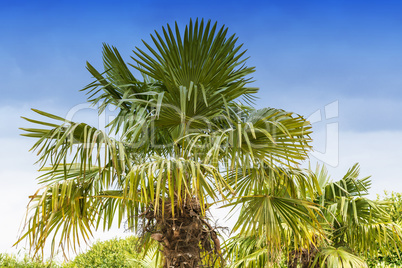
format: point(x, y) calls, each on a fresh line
point(203, 56)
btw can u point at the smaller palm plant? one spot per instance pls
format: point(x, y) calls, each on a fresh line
point(355, 228)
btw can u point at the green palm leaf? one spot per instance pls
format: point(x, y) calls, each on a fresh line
point(338, 258)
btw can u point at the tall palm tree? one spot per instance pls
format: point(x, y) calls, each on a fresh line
point(189, 138)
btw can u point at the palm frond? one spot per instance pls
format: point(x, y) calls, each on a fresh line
point(68, 209)
point(247, 252)
point(338, 258)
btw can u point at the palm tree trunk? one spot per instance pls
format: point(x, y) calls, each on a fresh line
point(303, 258)
point(186, 237)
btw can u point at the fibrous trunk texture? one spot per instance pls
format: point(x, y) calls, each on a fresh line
point(304, 257)
point(188, 240)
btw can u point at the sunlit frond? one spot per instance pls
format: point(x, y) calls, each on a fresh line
point(247, 252)
point(67, 212)
point(276, 217)
point(338, 258)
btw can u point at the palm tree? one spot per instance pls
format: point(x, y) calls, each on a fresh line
point(356, 228)
point(359, 227)
point(189, 138)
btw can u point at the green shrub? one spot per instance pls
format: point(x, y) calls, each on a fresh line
point(11, 261)
point(393, 259)
point(114, 253)
point(388, 261)
point(107, 254)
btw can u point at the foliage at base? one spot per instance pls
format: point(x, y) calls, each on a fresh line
point(12, 261)
point(107, 254)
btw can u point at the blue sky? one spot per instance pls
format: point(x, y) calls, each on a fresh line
point(304, 51)
point(308, 56)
